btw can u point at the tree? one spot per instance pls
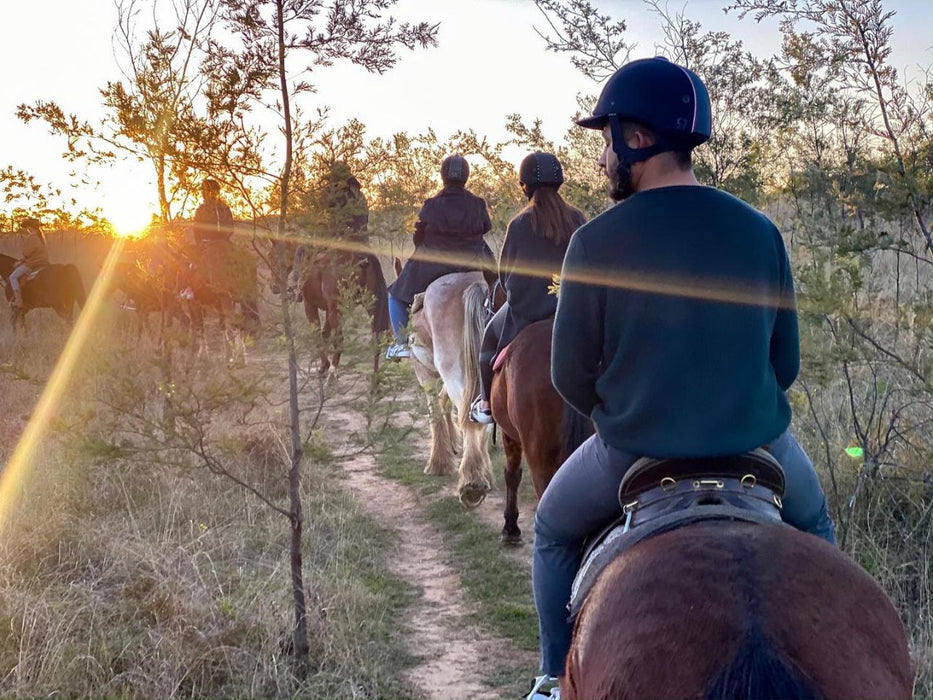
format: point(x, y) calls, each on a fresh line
point(269, 37)
point(146, 112)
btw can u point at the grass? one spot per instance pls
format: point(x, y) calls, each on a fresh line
point(127, 576)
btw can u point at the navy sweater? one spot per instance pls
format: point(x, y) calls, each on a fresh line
point(676, 326)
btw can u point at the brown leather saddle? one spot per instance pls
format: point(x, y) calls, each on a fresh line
point(660, 495)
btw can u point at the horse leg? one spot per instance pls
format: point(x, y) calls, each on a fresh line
point(334, 320)
point(511, 533)
point(441, 458)
point(475, 468)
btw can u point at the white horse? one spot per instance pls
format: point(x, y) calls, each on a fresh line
point(448, 329)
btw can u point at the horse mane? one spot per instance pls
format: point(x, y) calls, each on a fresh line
point(7, 263)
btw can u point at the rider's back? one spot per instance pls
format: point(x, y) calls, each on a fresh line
point(695, 356)
point(35, 252)
point(454, 218)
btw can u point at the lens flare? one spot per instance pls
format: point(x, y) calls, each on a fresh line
point(18, 467)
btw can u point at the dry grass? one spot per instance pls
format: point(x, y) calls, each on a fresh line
point(126, 577)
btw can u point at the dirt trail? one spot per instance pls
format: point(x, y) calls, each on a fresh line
point(454, 652)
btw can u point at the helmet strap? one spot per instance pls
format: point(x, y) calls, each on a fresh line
point(628, 155)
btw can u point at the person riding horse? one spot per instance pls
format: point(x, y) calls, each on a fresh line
point(676, 331)
point(535, 243)
point(35, 257)
point(345, 219)
point(345, 205)
point(448, 238)
point(212, 229)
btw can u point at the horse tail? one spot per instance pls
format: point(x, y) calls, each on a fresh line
point(77, 286)
point(474, 317)
point(380, 290)
point(575, 428)
point(759, 671)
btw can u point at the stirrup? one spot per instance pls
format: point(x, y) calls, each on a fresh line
point(540, 682)
point(477, 415)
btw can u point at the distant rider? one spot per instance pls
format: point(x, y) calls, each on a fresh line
point(35, 257)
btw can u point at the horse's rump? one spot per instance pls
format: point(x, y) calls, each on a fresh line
point(740, 611)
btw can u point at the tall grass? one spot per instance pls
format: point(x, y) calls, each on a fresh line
point(128, 576)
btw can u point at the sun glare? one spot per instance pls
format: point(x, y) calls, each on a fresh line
point(130, 223)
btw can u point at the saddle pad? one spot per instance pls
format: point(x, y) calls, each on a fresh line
point(616, 540)
point(501, 357)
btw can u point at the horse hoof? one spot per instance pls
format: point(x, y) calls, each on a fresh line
point(511, 540)
point(472, 496)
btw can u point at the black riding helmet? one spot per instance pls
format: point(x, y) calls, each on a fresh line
point(538, 169)
point(455, 170)
point(669, 99)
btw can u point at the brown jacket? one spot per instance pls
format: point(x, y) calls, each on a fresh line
point(35, 254)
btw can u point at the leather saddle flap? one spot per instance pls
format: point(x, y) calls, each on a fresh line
point(648, 473)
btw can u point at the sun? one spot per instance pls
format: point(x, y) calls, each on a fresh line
point(129, 222)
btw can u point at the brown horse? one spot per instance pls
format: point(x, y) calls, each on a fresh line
point(736, 610)
point(445, 356)
point(150, 293)
point(334, 278)
point(56, 287)
point(533, 418)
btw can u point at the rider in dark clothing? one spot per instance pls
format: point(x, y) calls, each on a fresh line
point(448, 238)
point(213, 228)
point(213, 221)
point(346, 208)
point(532, 255)
point(676, 332)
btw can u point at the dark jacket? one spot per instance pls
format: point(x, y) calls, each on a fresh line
point(348, 211)
point(448, 238)
point(213, 221)
point(676, 327)
point(527, 265)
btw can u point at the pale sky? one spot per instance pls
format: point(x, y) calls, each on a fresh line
point(489, 63)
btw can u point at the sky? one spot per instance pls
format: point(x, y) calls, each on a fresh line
point(490, 62)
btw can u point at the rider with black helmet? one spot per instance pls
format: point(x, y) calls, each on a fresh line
point(676, 331)
point(532, 254)
point(448, 238)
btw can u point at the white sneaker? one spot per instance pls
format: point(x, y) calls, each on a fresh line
point(477, 415)
point(397, 352)
point(545, 688)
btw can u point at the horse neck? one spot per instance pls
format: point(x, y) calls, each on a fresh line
point(7, 264)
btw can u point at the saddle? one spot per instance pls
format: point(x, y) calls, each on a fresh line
point(35, 273)
point(660, 495)
point(501, 357)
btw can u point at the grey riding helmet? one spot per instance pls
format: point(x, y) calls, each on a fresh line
point(455, 170)
point(669, 99)
point(538, 169)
